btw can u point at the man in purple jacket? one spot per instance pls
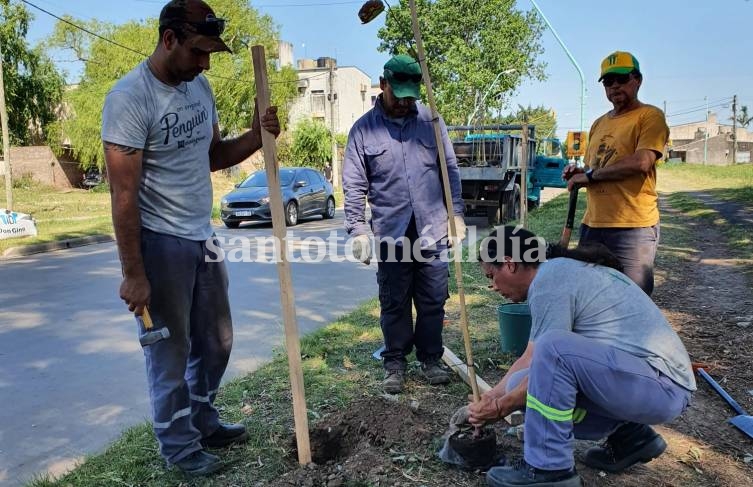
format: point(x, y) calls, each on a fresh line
point(392, 160)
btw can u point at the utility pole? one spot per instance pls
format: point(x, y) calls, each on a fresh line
point(6, 140)
point(332, 95)
point(665, 108)
point(706, 133)
point(734, 129)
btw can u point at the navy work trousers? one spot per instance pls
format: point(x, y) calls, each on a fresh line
point(189, 296)
point(404, 282)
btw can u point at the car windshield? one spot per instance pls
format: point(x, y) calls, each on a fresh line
point(259, 179)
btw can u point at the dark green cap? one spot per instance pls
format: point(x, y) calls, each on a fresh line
point(403, 73)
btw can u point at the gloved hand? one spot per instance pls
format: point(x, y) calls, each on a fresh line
point(362, 249)
point(460, 229)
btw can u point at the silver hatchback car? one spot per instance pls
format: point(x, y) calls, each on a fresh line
point(305, 193)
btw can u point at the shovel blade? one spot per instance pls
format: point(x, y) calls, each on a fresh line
point(744, 424)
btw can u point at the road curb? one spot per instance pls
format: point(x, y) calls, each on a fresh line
point(70, 243)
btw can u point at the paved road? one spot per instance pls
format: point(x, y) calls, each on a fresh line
point(71, 370)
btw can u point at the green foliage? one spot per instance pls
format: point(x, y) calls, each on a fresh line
point(312, 144)
point(543, 118)
point(231, 75)
point(33, 87)
point(468, 43)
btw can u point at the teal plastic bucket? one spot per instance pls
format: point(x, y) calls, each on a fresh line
point(514, 327)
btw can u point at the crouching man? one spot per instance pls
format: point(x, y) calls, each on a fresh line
point(602, 361)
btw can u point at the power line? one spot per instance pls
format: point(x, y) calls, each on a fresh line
point(703, 108)
point(83, 29)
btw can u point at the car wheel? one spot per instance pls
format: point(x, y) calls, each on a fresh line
point(291, 214)
point(329, 209)
point(231, 224)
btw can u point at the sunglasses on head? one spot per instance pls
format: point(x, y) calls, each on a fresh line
point(611, 79)
point(402, 77)
point(212, 26)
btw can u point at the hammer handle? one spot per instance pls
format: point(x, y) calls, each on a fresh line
point(147, 319)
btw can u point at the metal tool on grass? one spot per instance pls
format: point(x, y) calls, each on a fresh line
point(743, 421)
point(150, 335)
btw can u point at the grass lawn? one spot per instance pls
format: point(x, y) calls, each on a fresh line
point(62, 214)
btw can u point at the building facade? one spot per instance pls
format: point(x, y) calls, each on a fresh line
point(335, 95)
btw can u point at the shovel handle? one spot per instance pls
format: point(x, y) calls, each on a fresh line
point(571, 206)
point(722, 392)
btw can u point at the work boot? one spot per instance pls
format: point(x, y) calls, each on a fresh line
point(629, 444)
point(434, 373)
point(199, 463)
point(393, 381)
point(520, 473)
point(226, 435)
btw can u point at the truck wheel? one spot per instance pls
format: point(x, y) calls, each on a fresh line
point(494, 215)
point(511, 204)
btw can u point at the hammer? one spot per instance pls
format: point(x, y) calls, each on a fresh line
point(150, 336)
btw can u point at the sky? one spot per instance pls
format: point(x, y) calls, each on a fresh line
point(690, 51)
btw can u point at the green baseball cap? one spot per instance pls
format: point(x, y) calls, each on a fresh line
point(403, 73)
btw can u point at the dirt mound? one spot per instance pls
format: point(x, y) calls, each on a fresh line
point(365, 442)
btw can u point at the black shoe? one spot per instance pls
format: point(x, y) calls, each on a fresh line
point(226, 435)
point(393, 381)
point(520, 473)
point(629, 444)
point(434, 373)
point(199, 463)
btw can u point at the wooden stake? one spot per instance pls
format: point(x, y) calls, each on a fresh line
point(447, 197)
point(515, 418)
point(524, 177)
point(287, 298)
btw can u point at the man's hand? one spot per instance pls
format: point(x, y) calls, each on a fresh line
point(459, 229)
point(135, 291)
point(268, 122)
point(362, 249)
point(570, 171)
point(483, 411)
point(577, 181)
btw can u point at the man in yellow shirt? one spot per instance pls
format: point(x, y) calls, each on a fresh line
point(620, 174)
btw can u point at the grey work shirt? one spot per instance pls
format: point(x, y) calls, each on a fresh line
point(173, 125)
point(605, 305)
point(396, 166)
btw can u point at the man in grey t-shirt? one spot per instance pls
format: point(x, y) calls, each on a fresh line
point(601, 361)
point(161, 140)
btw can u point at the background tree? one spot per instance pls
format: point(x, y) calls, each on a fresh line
point(312, 145)
point(33, 87)
point(543, 118)
point(468, 43)
point(231, 75)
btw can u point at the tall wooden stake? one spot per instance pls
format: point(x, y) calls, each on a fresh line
point(279, 230)
point(6, 141)
point(524, 177)
point(447, 197)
